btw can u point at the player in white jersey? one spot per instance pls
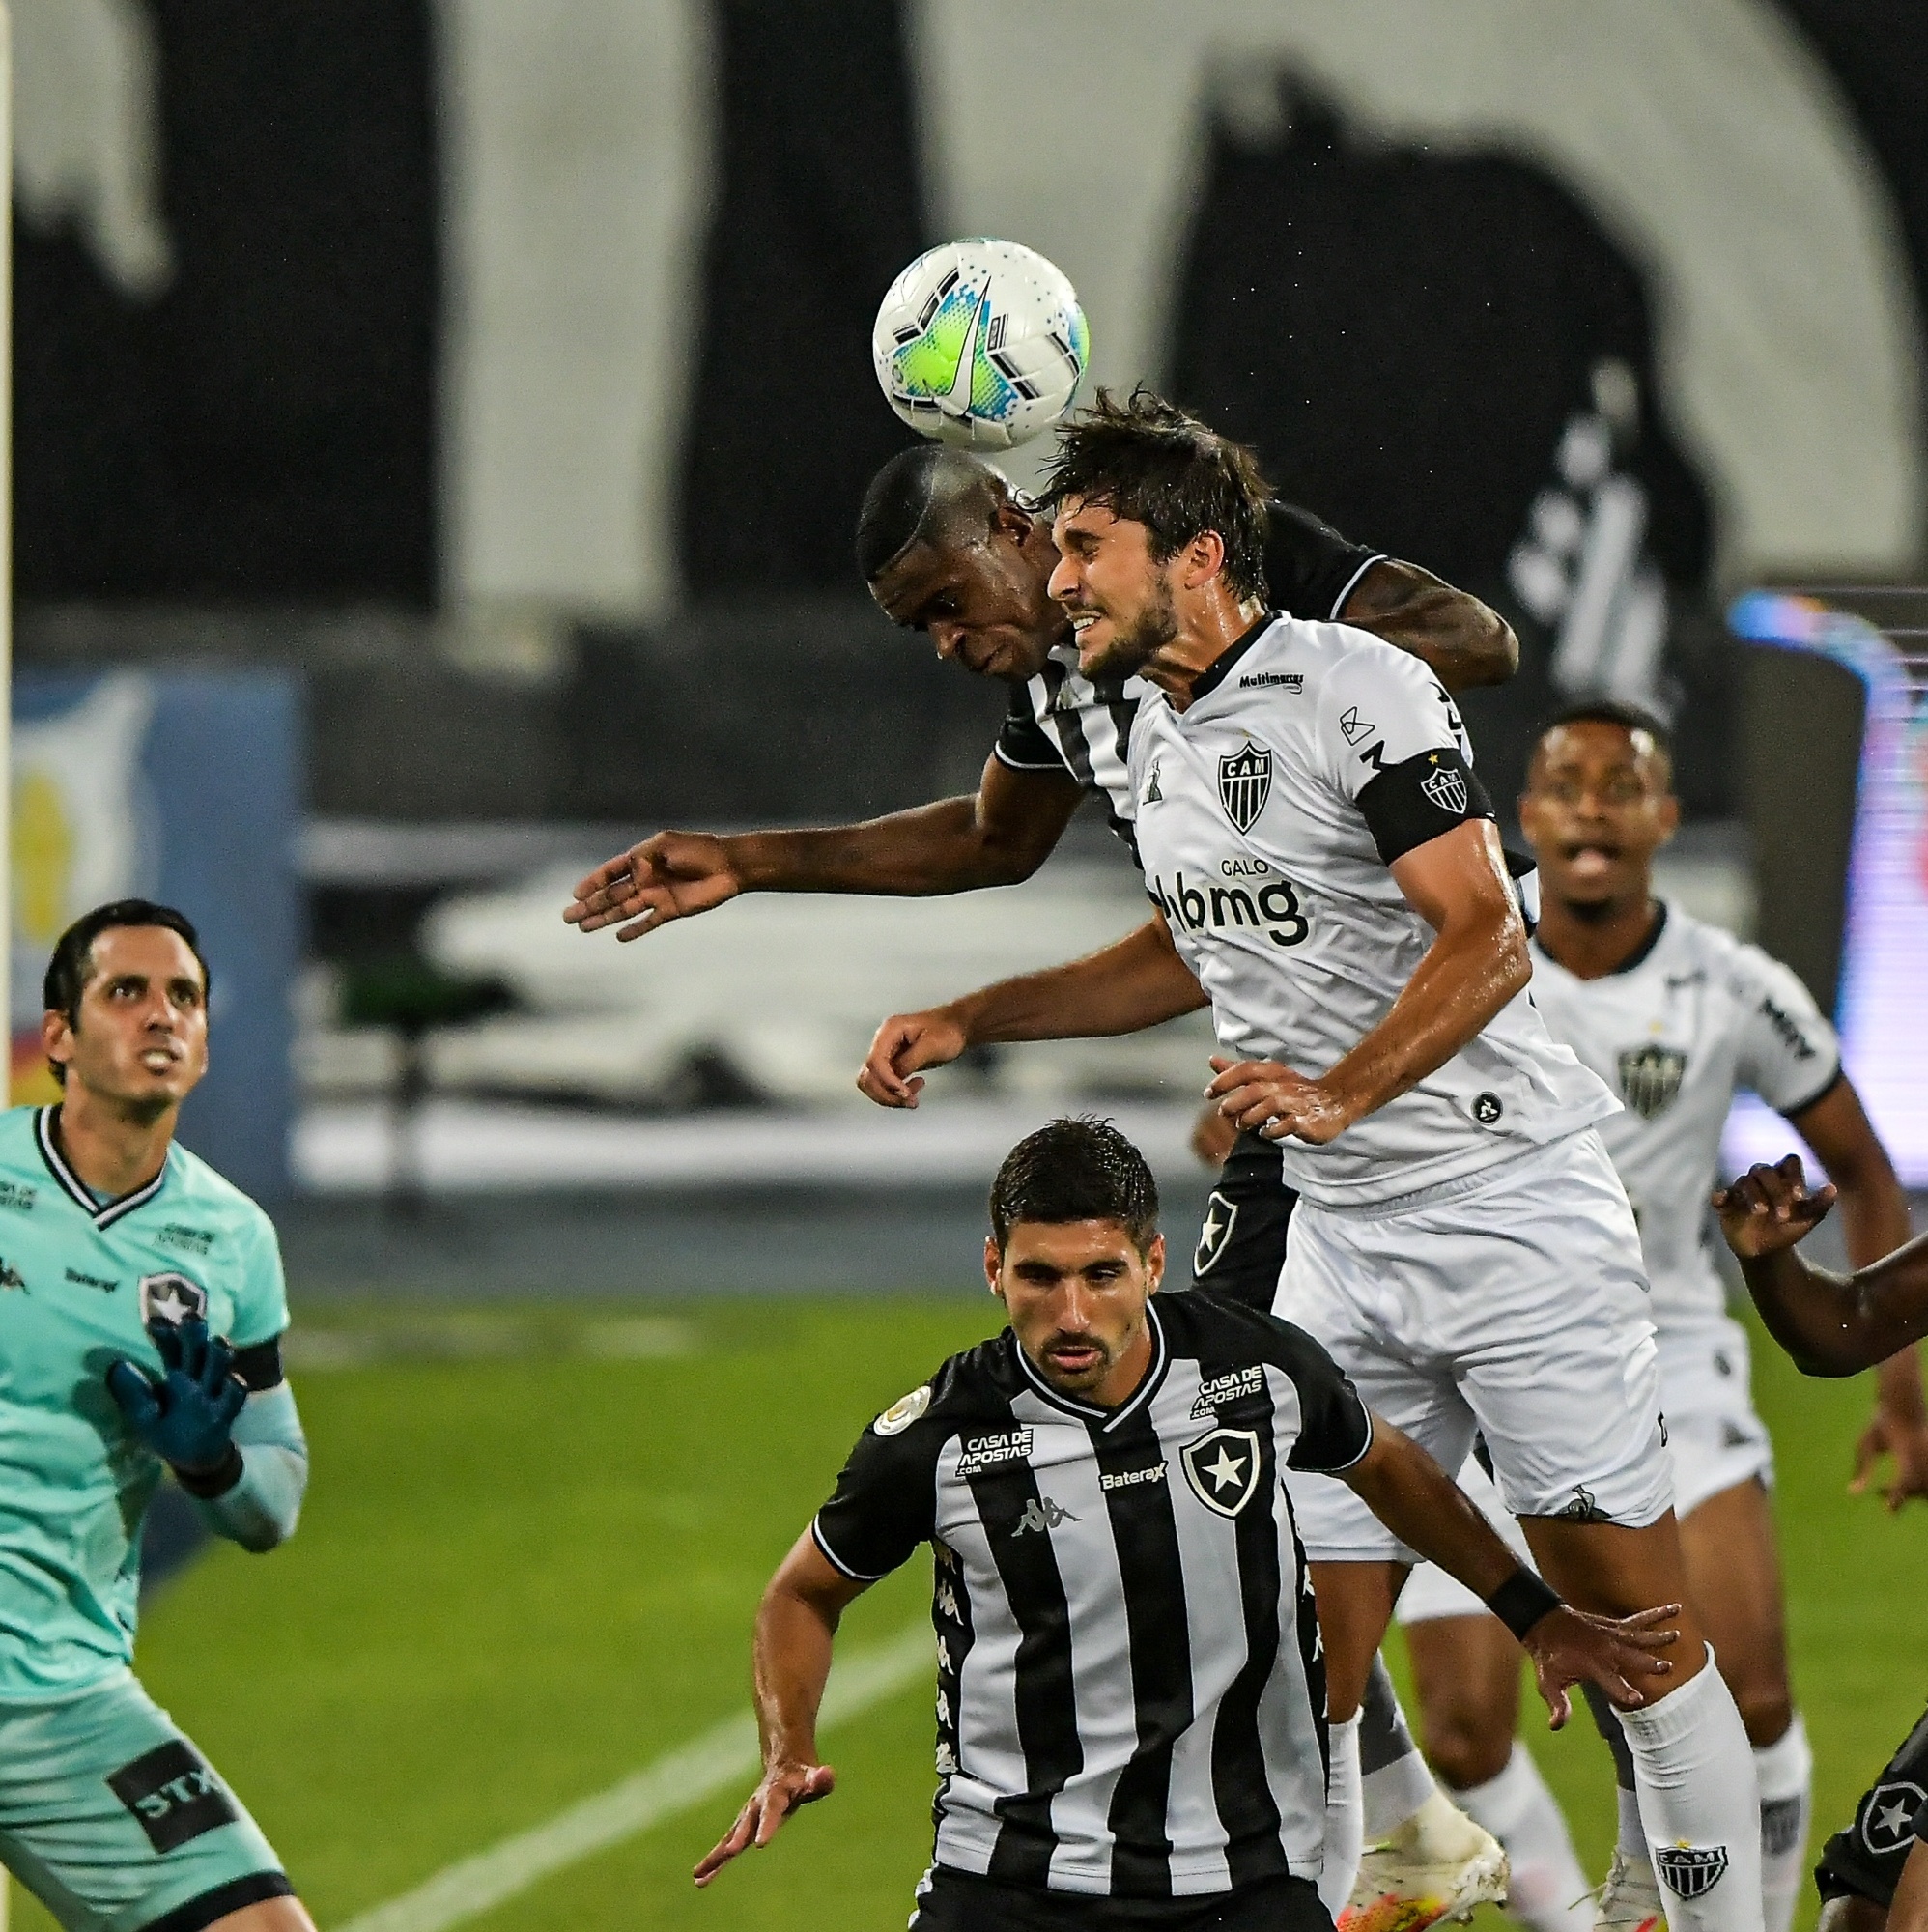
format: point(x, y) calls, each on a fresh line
point(1675, 1015)
point(1328, 876)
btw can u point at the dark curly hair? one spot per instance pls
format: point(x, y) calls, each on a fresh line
point(1081, 1169)
point(1147, 461)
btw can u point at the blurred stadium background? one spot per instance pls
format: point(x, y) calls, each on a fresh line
point(438, 435)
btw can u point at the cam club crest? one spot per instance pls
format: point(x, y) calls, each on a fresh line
point(1650, 1077)
point(1691, 1871)
point(171, 1298)
point(1244, 783)
point(1447, 790)
point(1221, 1468)
point(1215, 1234)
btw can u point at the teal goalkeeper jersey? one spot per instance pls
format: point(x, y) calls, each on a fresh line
point(79, 1279)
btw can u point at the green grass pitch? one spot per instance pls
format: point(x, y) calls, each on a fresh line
point(525, 1574)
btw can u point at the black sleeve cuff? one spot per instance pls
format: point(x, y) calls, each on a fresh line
point(209, 1484)
point(1792, 1114)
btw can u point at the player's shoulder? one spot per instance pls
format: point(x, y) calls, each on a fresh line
point(1209, 1325)
point(970, 1390)
point(206, 1192)
point(1748, 972)
point(19, 1141)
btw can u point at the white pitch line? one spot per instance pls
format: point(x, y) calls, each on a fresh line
point(706, 1764)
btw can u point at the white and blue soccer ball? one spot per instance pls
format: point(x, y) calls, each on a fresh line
point(982, 343)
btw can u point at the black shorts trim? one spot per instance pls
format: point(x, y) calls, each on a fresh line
point(200, 1912)
point(955, 1901)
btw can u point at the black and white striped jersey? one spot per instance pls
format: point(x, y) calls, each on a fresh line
point(1130, 1693)
point(1062, 720)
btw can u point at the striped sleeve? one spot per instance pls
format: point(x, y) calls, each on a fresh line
point(885, 1503)
point(1023, 743)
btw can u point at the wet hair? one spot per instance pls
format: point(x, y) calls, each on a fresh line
point(1082, 1170)
point(1147, 461)
point(1616, 711)
point(923, 496)
point(71, 967)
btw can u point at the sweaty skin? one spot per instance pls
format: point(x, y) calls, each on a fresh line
point(984, 601)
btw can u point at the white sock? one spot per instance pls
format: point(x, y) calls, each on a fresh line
point(1785, 1770)
point(1694, 1770)
point(1396, 1780)
point(1345, 1818)
point(1550, 1893)
point(1632, 1839)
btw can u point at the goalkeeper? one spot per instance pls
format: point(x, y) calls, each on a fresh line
point(141, 1311)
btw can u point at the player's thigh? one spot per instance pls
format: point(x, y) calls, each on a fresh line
point(1863, 1861)
point(273, 1914)
point(1734, 1580)
point(1554, 1341)
point(111, 1816)
point(1614, 1571)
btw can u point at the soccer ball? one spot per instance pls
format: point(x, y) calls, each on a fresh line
point(980, 343)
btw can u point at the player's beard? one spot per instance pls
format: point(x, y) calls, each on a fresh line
point(1131, 650)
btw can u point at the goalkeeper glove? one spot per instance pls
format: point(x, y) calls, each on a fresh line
point(187, 1417)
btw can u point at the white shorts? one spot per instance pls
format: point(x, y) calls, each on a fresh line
point(1715, 1439)
point(1513, 1304)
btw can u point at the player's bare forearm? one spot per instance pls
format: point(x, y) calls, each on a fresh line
point(1464, 643)
point(1840, 1324)
point(998, 836)
point(796, 1627)
point(1137, 982)
point(1476, 964)
point(1421, 1504)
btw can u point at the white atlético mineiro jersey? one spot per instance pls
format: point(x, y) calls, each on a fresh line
point(1680, 1026)
point(1311, 757)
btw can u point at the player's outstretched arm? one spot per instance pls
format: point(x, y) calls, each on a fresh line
point(1831, 1324)
point(996, 836)
point(1478, 961)
point(1415, 1498)
point(1137, 982)
point(1464, 643)
point(796, 1625)
point(1874, 1222)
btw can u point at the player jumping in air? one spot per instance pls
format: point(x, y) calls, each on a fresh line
point(1873, 1874)
point(142, 1304)
point(1675, 1016)
point(948, 548)
point(1328, 877)
point(1131, 1717)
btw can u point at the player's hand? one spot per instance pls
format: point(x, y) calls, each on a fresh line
point(672, 876)
point(1264, 1097)
point(187, 1417)
point(1893, 1432)
point(905, 1043)
point(1570, 1646)
point(1213, 1136)
point(784, 1787)
point(1771, 1207)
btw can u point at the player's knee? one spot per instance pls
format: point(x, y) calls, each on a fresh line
point(1465, 1744)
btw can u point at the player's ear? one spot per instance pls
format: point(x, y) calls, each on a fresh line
point(1667, 813)
point(1204, 559)
point(56, 1037)
point(994, 1267)
point(1010, 521)
point(1154, 1264)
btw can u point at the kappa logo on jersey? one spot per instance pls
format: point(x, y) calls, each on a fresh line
point(1245, 783)
point(1152, 795)
point(986, 1452)
point(1650, 1077)
point(1041, 1514)
point(172, 1298)
point(1233, 1386)
point(1888, 1819)
point(1221, 1216)
point(1691, 1871)
point(1221, 1468)
point(1446, 788)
